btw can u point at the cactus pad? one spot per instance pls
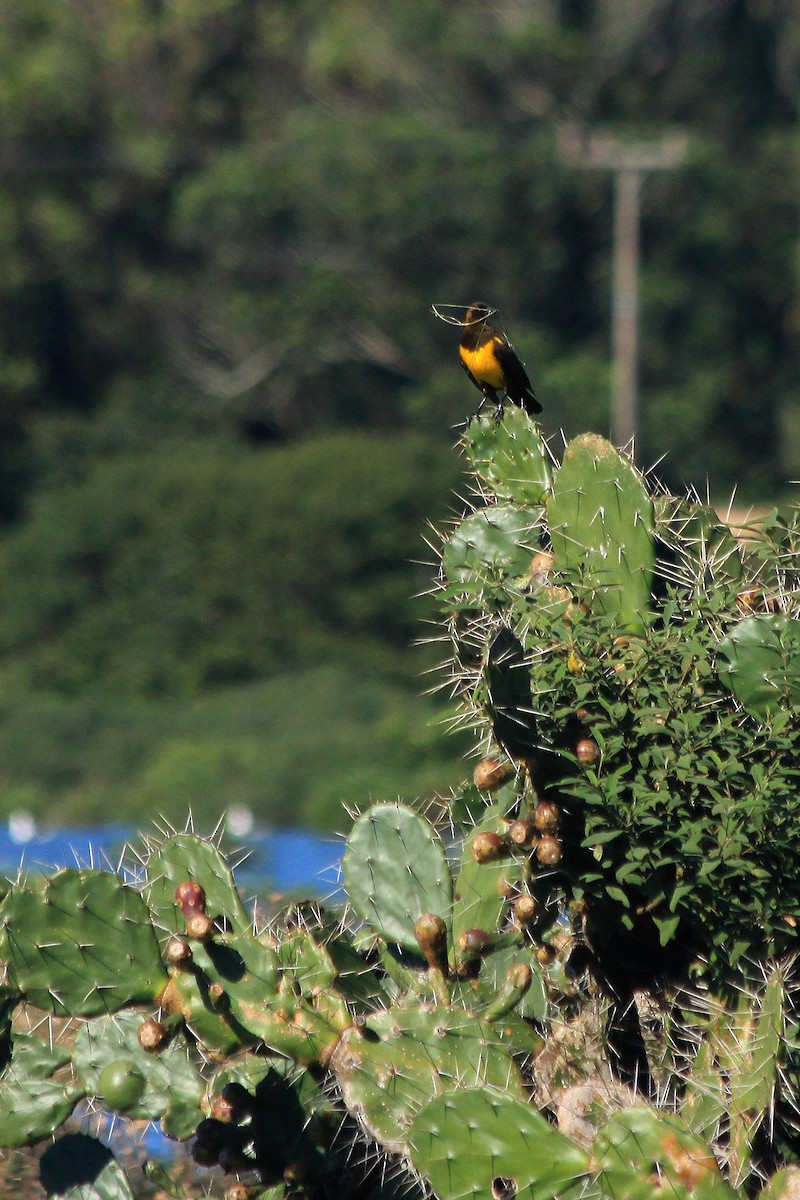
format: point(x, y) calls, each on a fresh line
point(640, 1150)
point(395, 870)
point(37, 1092)
point(189, 857)
point(82, 945)
point(490, 546)
point(510, 457)
point(172, 1087)
point(602, 528)
point(480, 1143)
point(389, 1067)
point(759, 661)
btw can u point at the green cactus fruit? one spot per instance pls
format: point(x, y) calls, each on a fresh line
point(480, 895)
point(508, 685)
point(602, 529)
point(395, 870)
point(38, 1092)
point(390, 1066)
point(510, 457)
point(759, 661)
point(185, 856)
point(641, 1150)
point(120, 1086)
point(489, 548)
point(81, 945)
point(127, 1079)
point(79, 1167)
point(484, 1144)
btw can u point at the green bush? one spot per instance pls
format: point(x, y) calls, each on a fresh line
point(198, 565)
point(292, 748)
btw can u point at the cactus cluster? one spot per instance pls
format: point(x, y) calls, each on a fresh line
point(573, 978)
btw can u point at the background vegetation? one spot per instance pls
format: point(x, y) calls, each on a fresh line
point(226, 413)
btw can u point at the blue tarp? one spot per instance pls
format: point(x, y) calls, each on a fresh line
point(276, 860)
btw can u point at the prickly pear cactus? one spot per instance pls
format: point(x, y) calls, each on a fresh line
point(574, 978)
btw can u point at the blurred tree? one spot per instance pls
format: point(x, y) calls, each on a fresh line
point(254, 204)
point(200, 566)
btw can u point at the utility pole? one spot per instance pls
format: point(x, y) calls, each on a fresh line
point(629, 161)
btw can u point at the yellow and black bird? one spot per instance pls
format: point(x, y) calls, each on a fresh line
point(491, 363)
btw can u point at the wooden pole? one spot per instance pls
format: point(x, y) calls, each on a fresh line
point(629, 162)
point(625, 306)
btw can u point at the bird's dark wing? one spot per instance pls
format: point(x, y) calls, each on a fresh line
point(518, 386)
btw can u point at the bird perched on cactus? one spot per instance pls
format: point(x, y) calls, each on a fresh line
point(492, 364)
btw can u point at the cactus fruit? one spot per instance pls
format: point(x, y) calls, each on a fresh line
point(486, 865)
point(184, 858)
point(490, 774)
point(113, 1066)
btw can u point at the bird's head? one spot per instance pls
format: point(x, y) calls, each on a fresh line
point(477, 313)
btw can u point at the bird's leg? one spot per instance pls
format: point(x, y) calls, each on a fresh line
point(489, 396)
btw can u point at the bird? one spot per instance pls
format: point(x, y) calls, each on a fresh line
point(492, 364)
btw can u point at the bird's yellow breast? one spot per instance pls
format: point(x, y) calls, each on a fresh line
point(483, 365)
